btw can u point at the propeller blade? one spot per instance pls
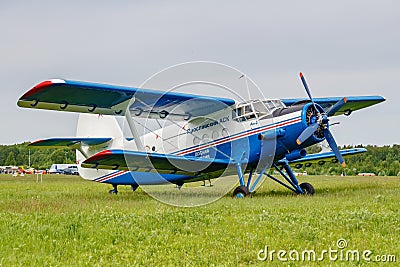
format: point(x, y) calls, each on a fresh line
point(308, 90)
point(332, 143)
point(310, 130)
point(336, 106)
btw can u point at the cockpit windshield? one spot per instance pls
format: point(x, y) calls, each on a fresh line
point(256, 109)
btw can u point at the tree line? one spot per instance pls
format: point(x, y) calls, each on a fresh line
point(41, 159)
point(381, 160)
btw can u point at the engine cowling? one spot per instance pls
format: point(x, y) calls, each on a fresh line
point(309, 116)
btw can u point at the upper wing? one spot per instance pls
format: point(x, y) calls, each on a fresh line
point(84, 97)
point(69, 142)
point(353, 102)
point(322, 158)
point(153, 162)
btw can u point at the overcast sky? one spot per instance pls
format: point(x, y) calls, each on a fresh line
point(343, 48)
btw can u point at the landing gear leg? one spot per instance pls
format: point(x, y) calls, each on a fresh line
point(242, 190)
point(293, 178)
point(134, 187)
point(300, 189)
point(179, 186)
point(114, 190)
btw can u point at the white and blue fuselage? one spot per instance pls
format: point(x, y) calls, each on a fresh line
point(255, 132)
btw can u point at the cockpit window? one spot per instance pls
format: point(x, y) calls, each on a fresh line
point(256, 109)
point(278, 103)
point(248, 109)
point(243, 112)
point(274, 104)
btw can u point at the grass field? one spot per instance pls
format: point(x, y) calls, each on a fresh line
point(66, 221)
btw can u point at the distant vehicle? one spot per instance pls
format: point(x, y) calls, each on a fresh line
point(59, 168)
point(366, 174)
point(55, 169)
point(71, 170)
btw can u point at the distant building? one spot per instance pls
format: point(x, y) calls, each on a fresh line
point(300, 173)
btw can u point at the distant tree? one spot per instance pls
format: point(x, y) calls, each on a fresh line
point(379, 160)
point(58, 156)
point(384, 160)
point(313, 149)
point(10, 161)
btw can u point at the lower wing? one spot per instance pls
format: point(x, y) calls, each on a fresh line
point(324, 157)
point(153, 162)
point(74, 142)
point(70, 142)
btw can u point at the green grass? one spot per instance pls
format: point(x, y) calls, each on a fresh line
point(67, 221)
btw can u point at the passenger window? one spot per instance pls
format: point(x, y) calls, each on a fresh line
point(205, 138)
point(225, 132)
point(215, 135)
point(196, 141)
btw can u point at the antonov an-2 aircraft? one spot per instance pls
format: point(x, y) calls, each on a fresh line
point(216, 137)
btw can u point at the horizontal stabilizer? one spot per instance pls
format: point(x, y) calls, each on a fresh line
point(323, 157)
point(69, 142)
point(85, 97)
point(153, 162)
point(353, 103)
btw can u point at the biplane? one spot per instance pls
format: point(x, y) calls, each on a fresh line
point(209, 137)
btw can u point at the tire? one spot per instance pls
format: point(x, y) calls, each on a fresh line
point(241, 192)
point(307, 188)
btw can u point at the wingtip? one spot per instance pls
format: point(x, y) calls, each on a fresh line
point(40, 87)
point(36, 142)
point(37, 88)
point(93, 160)
point(301, 74)
point(344, 164)
point(345, 99)
point(298, 142)
point(104, 153)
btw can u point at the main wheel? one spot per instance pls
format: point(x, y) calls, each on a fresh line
point(307, 188)
point(241, 192)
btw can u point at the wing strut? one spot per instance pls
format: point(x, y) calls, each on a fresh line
point(134, 131)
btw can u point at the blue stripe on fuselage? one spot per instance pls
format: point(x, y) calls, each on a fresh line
point(228, 138)
point(246, 139)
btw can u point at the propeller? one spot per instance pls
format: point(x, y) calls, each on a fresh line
point(332, 110)
point(310, 130)
point(321, 120)
point(332, 143)
point(303, 80)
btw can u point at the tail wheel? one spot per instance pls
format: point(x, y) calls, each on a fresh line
point(307, 188)
point(241, 192)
